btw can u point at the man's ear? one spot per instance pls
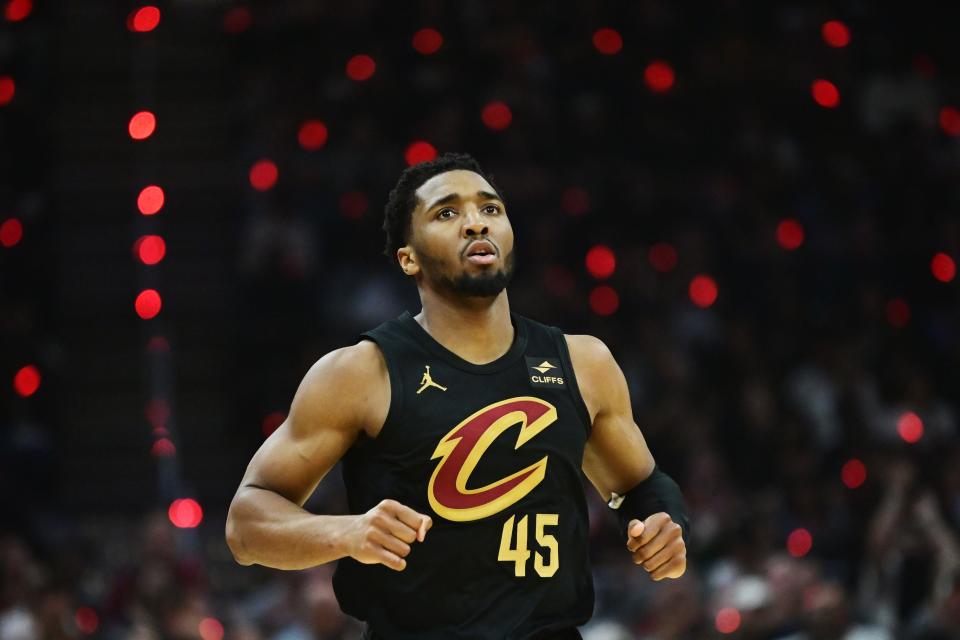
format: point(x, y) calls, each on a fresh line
point(407, 260)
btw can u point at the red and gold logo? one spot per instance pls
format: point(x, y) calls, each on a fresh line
point(460, 452)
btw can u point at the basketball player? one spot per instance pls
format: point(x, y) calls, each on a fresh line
point(463, 431)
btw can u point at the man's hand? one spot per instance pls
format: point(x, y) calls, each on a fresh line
point(657, 545)
point(383, 535)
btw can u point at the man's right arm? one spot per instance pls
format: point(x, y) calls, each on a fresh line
point(345, 392)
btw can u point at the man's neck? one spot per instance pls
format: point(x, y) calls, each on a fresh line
point(478, 331)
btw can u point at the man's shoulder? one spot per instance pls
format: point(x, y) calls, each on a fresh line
point(361, 361)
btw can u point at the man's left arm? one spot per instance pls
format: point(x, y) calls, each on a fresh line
point(619, 464)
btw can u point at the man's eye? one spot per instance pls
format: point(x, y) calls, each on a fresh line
point(493, 207)
point(440, 214)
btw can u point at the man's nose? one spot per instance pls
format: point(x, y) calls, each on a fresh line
point(474, 224)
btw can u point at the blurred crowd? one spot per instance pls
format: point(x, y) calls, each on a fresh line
point(809, 414)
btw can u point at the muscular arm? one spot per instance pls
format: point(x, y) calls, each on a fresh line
point(340, 395)
point(616, 457)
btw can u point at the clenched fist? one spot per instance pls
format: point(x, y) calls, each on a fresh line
point(657, 545)
point(383, 535)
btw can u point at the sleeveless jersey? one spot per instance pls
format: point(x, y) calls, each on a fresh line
point(492, 452)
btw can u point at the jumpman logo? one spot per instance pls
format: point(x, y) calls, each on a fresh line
point(427, 381)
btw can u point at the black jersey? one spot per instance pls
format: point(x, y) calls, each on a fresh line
point(492, 452)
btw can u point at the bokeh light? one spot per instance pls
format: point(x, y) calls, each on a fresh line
point(210, 629)
point(7, 90)
point(790, 234)
point(237, 20)
point(853, 473)
point(142, 125)
point(157, 412)
point(727, 620)
point(835, 33)
point(86, 620)
point(662, 257)
point(898, 312)
point(163, 448)
point(427, 41)
point(11, 232)
point(496, 115)
point(150, 249)
point(943, 267)
point(148, 304)
point(361, 67)
point(144, 19)
point(17, 10)
point(601, 262)
point(607, 41)
point(26, 381)
point(910, 427)
point(799, 542)
point(950, 121)
point(575, 201)
point(659, 76)
point(825, 93)
point(312, 135)
point(263, 174)
point(703, 291)
point(604, 300)
point(185, 513)
point(150, 200)
point(418, 152)
point(271, 422)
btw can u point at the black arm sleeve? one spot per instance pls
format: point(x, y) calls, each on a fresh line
point(655, 494)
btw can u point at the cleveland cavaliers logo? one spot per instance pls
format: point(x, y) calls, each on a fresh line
point(460, 452)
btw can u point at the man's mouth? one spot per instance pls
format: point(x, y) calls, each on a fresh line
point(481, 252)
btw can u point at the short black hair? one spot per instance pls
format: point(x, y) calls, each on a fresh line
point(403, 200)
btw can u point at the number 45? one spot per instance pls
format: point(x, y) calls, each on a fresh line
point(520, 554)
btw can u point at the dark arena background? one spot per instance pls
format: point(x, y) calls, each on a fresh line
point(755, 205)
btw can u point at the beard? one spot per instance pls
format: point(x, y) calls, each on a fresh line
point(486, 284)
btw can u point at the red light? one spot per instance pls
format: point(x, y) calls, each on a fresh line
point(150, 200)
point(727, 620)
point(7, 88)
point(601, 262)
point(142, 125)
point(949, 120)
point(26, 381)
point(353, 204)
point(237, 20)
point(703, 291)
point(663, 257)
point(825, 93)
point(659, 76)
point(17, 10)
point(150, 249)
point(271, 422)
point(11, 232)
point(790, 234)
point(157, 413)
point(427, 41)
point(87, 620)
point(163, 448)
point(607, 41)
point(185, 513)
point(361, 67)
point(910, 427)
point(943, 267)
point(148, 304)
point(898, 312)
point(312, 135)
point(158, 344)
point(144, 19)
point(210, 629)
point(419, 152)
point(263, 175)
point(799, 543)
point(496, 116)
point(575, 201)
point(853, 473)
point(835, 33)
point(604, 300)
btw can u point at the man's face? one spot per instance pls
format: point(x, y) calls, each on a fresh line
point(461, 240)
